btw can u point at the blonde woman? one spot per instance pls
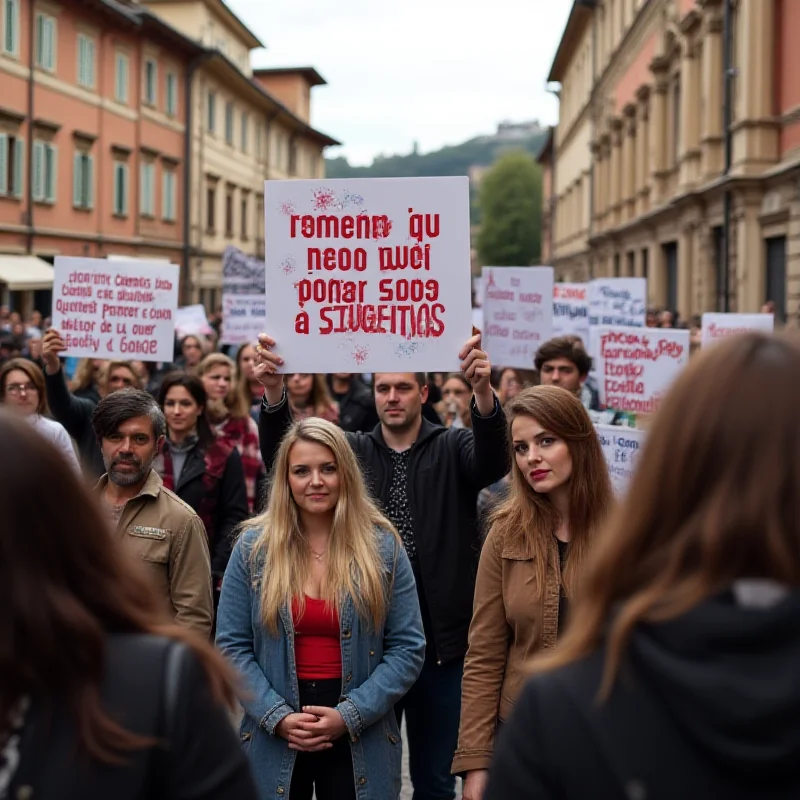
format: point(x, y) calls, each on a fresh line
point(86, 381)
point(229, 416)
point(319, 614)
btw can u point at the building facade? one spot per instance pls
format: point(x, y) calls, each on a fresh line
point(636, 166)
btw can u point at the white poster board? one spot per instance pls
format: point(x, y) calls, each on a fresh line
point(618, 301)
point(571, 311)
point(517, 312)
point(621, 448)
point(243, 297)
point(635, 366)
point(717, 326)
point(368, 275)
point(115, 309)
point(192, 321)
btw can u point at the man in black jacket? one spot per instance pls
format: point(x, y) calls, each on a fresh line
point(356, 404)
point(427, 479)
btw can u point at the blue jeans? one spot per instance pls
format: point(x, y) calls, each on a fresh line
point(433, 709)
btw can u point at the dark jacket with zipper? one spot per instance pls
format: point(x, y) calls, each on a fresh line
point(447, 469)
point(706, 706)
point(356, 408)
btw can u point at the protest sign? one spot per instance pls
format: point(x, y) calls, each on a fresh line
point(115, 309)
point(517, 312)
point(720, 326)
point(618, 301)
point(243, 297)
point(192, 320)
point(368, 275)
point(635, 366)
point(571, 310)
point(621, 448)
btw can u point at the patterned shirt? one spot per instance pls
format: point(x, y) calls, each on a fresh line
point(398, 509)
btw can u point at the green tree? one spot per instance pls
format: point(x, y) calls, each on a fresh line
point(510, 201)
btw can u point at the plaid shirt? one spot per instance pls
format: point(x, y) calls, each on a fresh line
point(243, 435)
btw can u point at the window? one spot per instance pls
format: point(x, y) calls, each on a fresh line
point(244, 216)
point(168, 199)
point(211, 204)
point(292, 157)
point(212, 112)
point(258, 141)
point(45, 169)
point(83, 181)
point(86, 61)
point(121, 79)
point(120, 189)
point(11, 26)
point(229, 214)
point(229, 123)
point(150, 82)
point(147, 200)
point(45, 42)
point(172, 94)
point(12, 161)
point(245, 122)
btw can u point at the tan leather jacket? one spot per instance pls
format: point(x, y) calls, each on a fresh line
point(511, 621)
point(157, 527)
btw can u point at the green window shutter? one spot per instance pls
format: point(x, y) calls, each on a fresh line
point(125, 189)
point(4, 165)
point(38, 170)
point(51, 172)
point(77, 180)
point(89, 182)
point(19, 166)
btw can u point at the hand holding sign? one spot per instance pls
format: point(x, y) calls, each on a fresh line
point(265, 370)
point(478, 370)
point(52, 345)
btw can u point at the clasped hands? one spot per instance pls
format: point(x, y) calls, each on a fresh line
point(313, 729)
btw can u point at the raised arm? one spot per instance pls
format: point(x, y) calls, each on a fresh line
point(276, 416)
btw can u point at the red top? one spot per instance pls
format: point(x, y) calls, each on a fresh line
point(317, 650)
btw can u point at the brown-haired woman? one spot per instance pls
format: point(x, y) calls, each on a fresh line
point(558, 498)
point(679, 675)
point(454, 408)
point(100, 696)
point(249, 387)
point(309, 397)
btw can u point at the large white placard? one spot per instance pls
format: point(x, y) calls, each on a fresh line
point(621, 448)
point(720, 326)
point(571, 311)
point(243, 297)
point(517, 312)
point(368, 275)
point(618, 301)
point(192, 321)
point(635, 366)
point(115, 309)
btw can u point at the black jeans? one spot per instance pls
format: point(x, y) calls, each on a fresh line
point(330, 771)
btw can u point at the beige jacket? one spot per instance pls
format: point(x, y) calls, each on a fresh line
point(157, 527)
point(509, 625)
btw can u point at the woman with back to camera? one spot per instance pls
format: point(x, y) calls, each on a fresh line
point(678, 677)
point(319, 613)
point(531, 563)
point(100, 695)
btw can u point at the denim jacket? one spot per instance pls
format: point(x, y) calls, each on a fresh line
point(377, 671)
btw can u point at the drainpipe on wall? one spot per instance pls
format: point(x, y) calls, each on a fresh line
point(727, 93)
point(29, 142)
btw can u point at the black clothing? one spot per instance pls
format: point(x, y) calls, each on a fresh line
point(705, 706)
point(446, 470)
point(151, 693)
point(563, 603)
point(331, 771)
point(356, 407)
point(89, 393)
point(75, 414)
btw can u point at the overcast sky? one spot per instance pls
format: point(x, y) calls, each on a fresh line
point(432, 71)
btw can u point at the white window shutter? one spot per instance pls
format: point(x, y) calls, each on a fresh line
point(4, 165)
point(90, 182)
point(19, 166)
point(77, 180)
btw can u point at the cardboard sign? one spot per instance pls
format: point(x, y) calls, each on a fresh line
point(368, 275)
point(621, 448)
point(517, 312)
point(717, 327)
point(618, 301)
point(243, 297)
point(115, 309)
point(635, 366)
point(571, 311)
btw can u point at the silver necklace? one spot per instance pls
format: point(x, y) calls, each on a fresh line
point(318, 556)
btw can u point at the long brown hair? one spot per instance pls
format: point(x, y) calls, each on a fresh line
point(233, 404)
point(34, 372)
point(715, 497)
point(528, 514)
point(63, 578)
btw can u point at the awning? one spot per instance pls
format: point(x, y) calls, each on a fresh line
point(25, 272)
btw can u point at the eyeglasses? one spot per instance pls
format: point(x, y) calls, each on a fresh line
point(19, 388)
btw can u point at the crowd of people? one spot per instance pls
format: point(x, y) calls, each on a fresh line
point(326, 558)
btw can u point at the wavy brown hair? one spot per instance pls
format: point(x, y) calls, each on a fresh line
point(525, 513)
point(65, 585)
point(715, 498)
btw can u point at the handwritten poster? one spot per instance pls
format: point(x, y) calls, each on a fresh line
point(243, 297)
point(636, 366)
point(720, 326)
point(618, 301)
point(115, 309)
point(368, 275)
point(192, 320)
point(571, 310)
point(517, 313)
point(621, 448)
